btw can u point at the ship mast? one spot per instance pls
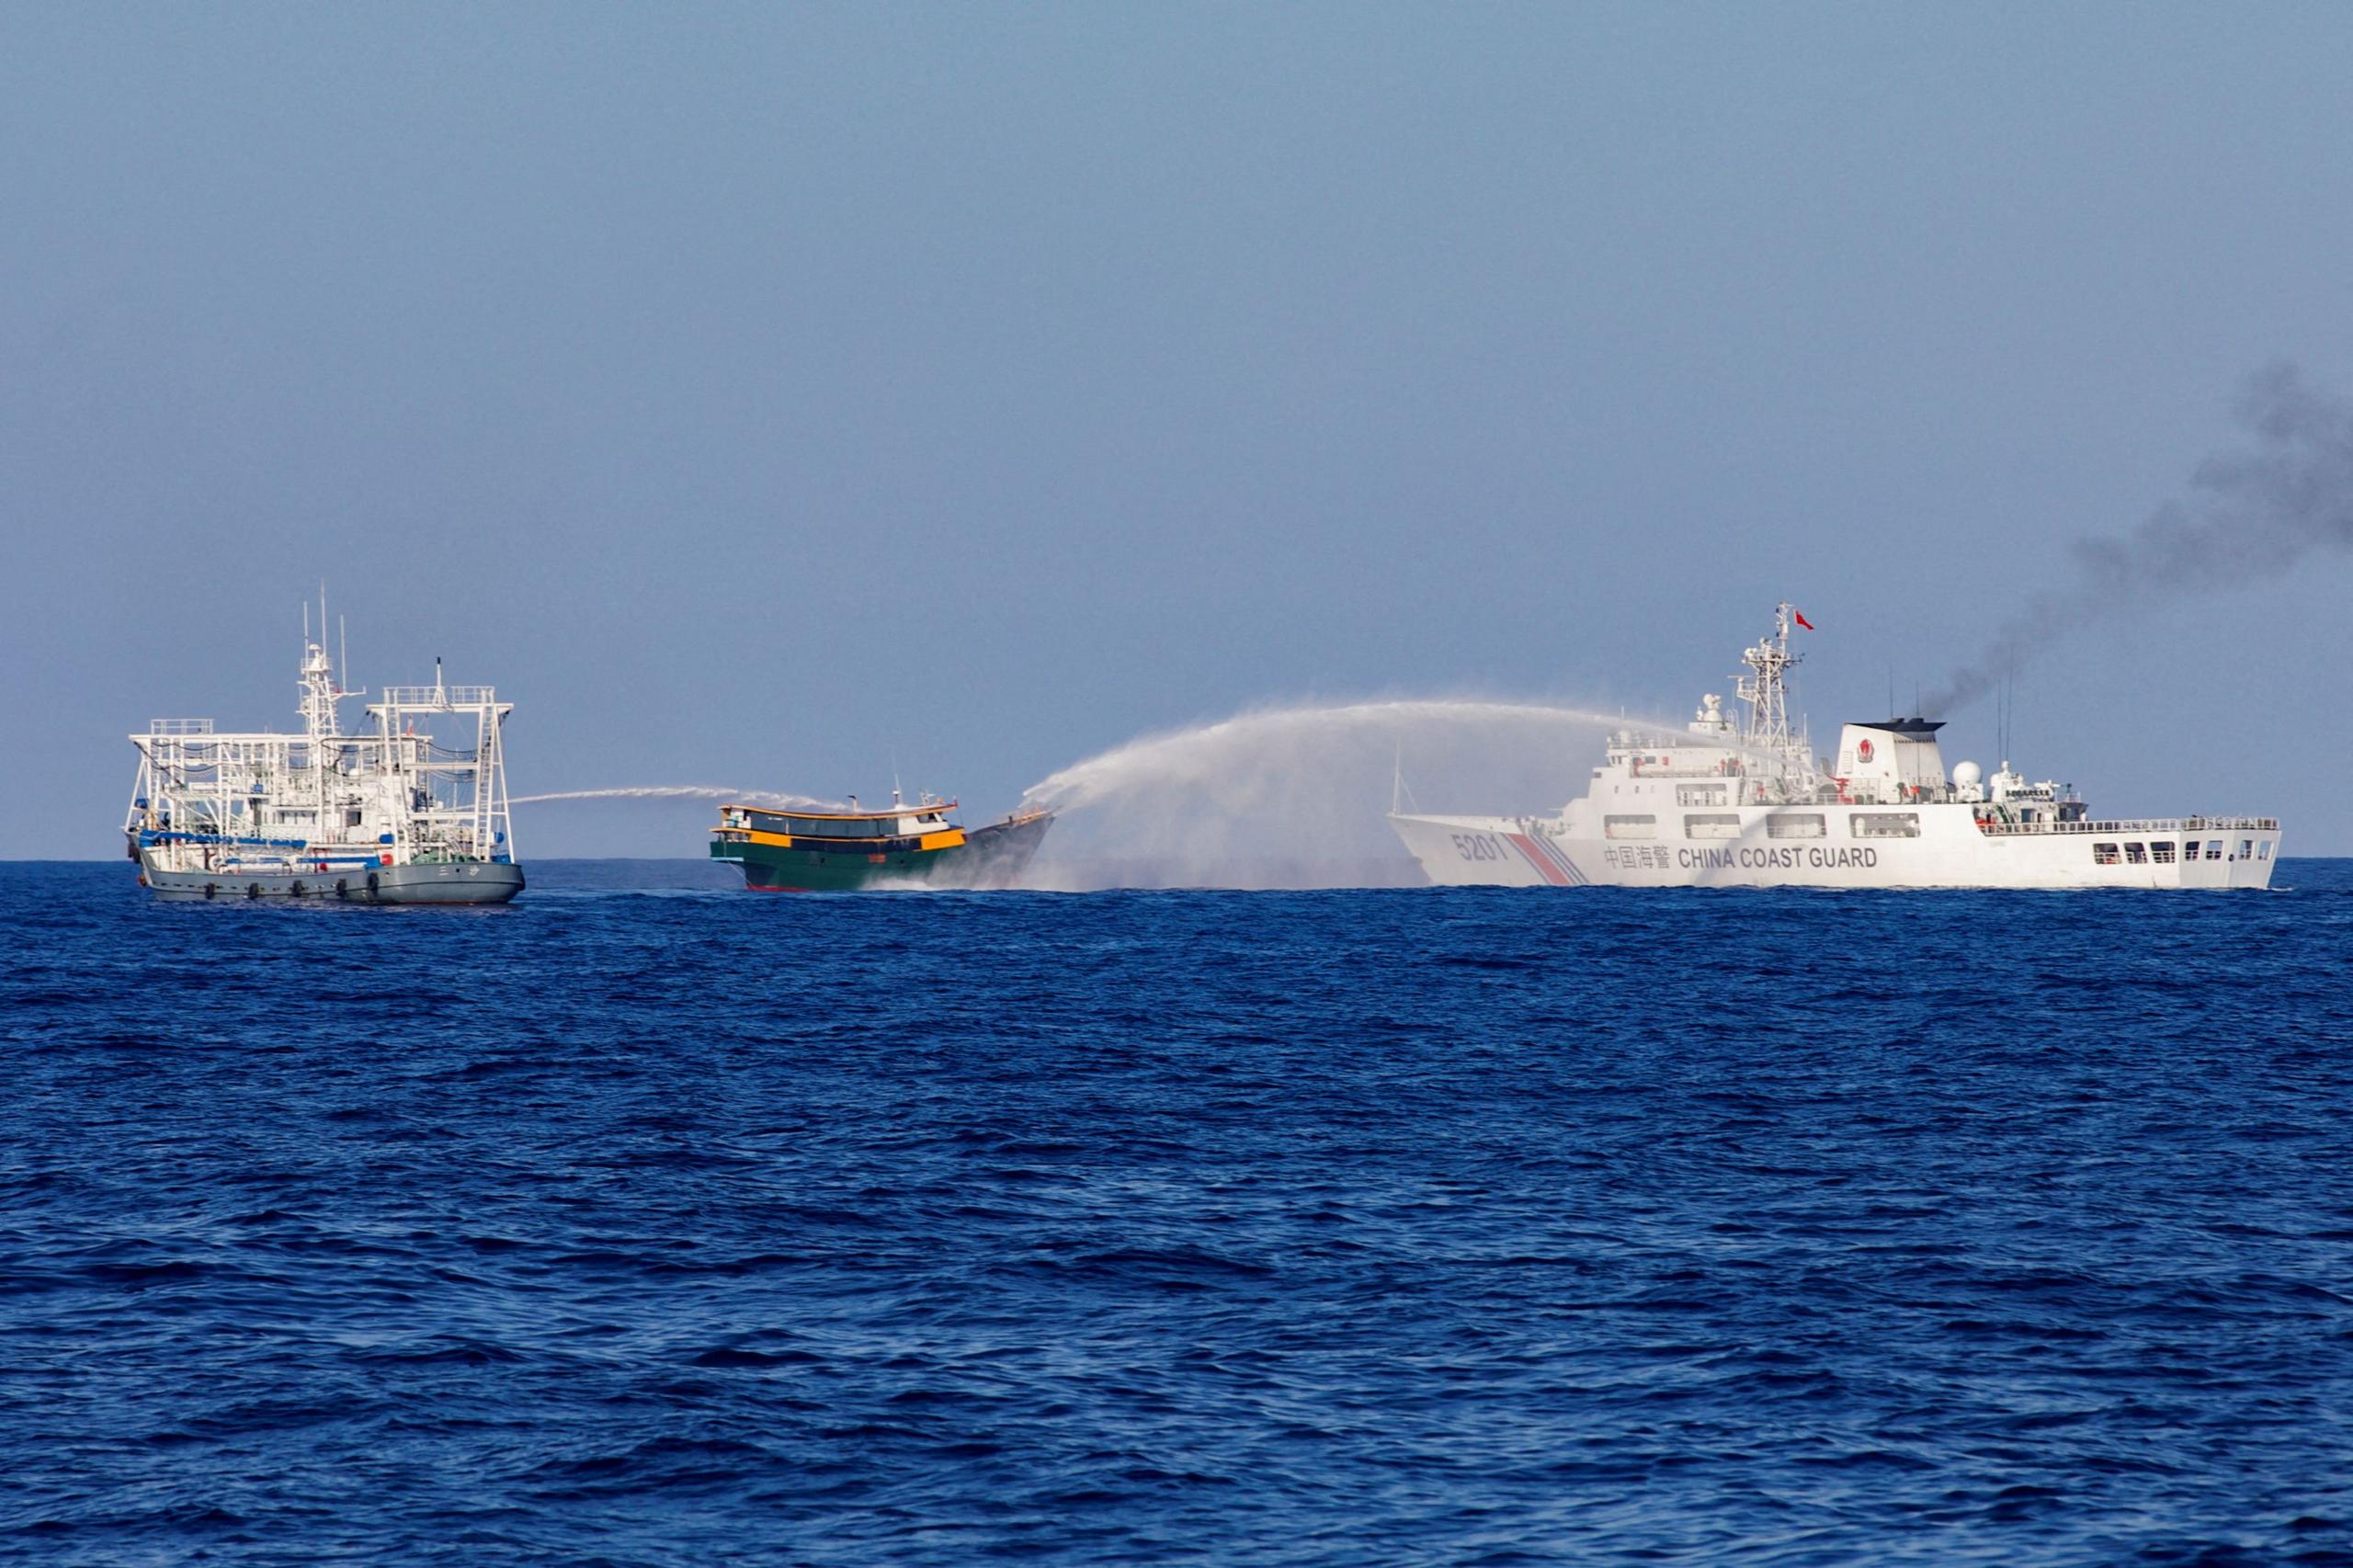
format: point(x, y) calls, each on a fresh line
point(318, 691)
point(1766, 690)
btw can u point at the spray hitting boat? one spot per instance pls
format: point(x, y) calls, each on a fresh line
point(841, 851)
point(388, 815)
point(1750, 805)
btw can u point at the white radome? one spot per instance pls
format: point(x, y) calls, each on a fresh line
point(1709, 806)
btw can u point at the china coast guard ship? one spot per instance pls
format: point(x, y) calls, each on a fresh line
point(388, 815)
point(1750, 805)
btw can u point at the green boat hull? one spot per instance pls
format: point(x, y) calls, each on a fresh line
point(992, 856)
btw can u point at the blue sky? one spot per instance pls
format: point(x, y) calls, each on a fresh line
point(760, 395)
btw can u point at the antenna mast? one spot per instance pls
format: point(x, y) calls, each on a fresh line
point(1765, 687)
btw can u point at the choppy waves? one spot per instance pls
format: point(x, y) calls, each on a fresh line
point(1470, 1226)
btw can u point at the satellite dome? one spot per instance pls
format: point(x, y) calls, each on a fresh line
point(1967, 772)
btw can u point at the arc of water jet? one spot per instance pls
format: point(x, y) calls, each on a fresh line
point(684, 792)
point(1172, 755)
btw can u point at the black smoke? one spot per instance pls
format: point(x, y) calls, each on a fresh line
point(2252, 513)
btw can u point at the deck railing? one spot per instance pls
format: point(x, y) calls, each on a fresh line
point(2120, 827)
point(435, 695)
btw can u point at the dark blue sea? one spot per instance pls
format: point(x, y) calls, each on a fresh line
point(637, 1224)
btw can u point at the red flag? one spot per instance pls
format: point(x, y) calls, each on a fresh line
point(1801, 620)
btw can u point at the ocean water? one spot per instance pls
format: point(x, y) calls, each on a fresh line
point(654, 1225)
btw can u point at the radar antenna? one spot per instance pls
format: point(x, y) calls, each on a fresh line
point(1766, 690)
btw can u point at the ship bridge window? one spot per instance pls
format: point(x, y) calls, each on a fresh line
point(826, 827)
point(1630, 828)
point(1885, 824)
point(2189, 850)
point(2263, 850)
point(2213, 849)
point(2246, 848)
point(1795, 824)
point(2104, 855)
point(2136, 854)
point(2160, 852)
point(1700, 794)
point(1711, 825)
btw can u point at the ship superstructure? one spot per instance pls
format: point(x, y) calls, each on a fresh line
point(412, 809)
point(1748, 803)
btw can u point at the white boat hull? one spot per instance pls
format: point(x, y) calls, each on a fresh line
point(1951, 851)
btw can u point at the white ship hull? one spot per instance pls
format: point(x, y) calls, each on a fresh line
point(1950, 851)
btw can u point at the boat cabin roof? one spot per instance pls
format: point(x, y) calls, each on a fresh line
point(886, 814)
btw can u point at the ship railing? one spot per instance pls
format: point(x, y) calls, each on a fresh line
point(1643, 770)
point(179, 727)
point(435, 695)
point(2121, 826)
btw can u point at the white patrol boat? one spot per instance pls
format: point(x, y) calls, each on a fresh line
point(1720, 805)
point(390, 815)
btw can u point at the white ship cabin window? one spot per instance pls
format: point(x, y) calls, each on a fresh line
point(1795, 824)
point(2246, 848)
point(2136, 854)
point(2263, 850)
point(2160, 852)
point(1630, 828)
point(1711, 825)
point(2104, 854)
point(1885, 824)
point(2213, 849)
point(1700, 794)
point(351, 819)
point(2189, 850)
